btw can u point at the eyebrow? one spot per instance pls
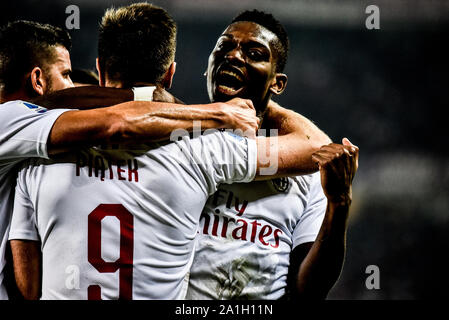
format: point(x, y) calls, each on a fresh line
point(227, 35)
point(250, 42)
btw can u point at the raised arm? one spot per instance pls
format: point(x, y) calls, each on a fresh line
point(95, 122)
point(314, 268)
point(146, 121)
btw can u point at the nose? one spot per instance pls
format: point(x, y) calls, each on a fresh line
point(235, 55)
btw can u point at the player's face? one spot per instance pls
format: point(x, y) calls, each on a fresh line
point(58, 73)
point(242, 64)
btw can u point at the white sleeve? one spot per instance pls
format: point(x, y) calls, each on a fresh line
point(23, 221)
point(221, 157)
point(311, 220)
point(24, 130)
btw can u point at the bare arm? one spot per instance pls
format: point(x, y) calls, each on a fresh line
point(146, 121)
point(92, 97)
point(27, 267)
point(291, 151)
point(292, 123)
point(84, 98)
point(314, 268)
point(135, 120)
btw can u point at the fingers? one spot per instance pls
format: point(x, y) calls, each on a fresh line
point(346, 142)
point(353, 148)
point(250, 104)
point(338, 164)
point(243, 103)
point(354, 151)
point(344, 156)
point(330, 161)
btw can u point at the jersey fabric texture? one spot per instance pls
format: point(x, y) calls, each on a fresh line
point(121, 223)
point(24, 130)
point(246, 235)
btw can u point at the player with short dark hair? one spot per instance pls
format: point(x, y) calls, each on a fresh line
point(120, 47)
point(281, 43)
point(149, 197)
point(284, 237)
point(35, 61)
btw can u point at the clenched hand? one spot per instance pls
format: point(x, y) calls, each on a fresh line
point(338, 164)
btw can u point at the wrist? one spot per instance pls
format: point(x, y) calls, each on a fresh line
point(115, 123)
point(339, 209)
point(343, 198)
point(221, 117)
point(340, 202)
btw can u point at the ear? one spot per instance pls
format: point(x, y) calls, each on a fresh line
point(278, 84)
point(168, 78)
point(101, 80)
point(38, 82)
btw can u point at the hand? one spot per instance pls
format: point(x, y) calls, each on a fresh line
point(240, 114)
point(338, 164)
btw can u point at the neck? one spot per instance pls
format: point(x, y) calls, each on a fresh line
point(121, 85)
point(18, 95)
point(145, 84)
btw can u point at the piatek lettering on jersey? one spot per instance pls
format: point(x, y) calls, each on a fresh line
point(238, 228)
point(103, 167)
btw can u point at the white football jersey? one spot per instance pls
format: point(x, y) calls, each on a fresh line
point(24, 130)
point(122, 223)
point(246, 235)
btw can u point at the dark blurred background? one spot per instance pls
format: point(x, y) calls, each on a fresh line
point(386, 90)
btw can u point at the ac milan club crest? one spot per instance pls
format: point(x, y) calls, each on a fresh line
point(281, 184)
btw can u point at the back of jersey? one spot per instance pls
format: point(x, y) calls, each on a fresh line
point(121, 223)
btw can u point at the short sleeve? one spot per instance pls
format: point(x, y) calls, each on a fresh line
point(24, 130)
point(311, 220)
point(23, 222)
point(220, 157)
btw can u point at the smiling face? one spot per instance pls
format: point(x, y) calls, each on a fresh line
point(243, 64)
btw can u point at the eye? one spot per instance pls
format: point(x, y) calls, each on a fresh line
point(255, 54)
point(67, 74)
point(223, 45)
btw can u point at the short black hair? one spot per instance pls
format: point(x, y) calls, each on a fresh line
point(269, 22)
point(136, 43)
point(25, 45)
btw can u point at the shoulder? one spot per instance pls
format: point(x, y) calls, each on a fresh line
point(20, 106)
point(17, 110)
point(276, 115)
point(309, 182)
point(274, 110)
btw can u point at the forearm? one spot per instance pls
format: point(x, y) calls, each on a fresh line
point(321, 267)
point(27, 267)
point(134, 121)
point(82, 98)
point(284, 156)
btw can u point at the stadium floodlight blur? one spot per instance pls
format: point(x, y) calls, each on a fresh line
point(301, 12)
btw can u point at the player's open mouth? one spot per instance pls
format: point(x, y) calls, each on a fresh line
point(229, 82)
